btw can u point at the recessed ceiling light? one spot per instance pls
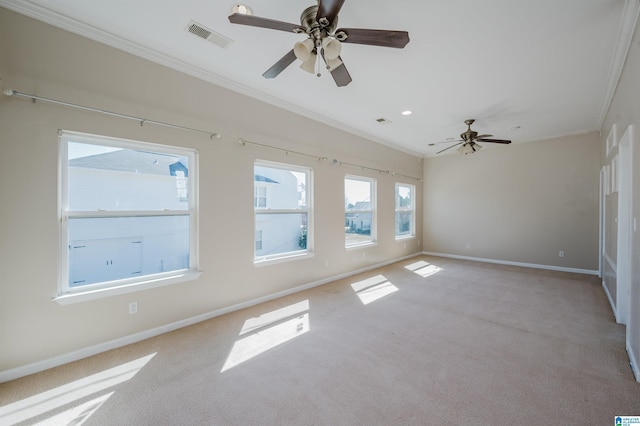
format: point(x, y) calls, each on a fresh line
point(242, 9)
point(407, 112)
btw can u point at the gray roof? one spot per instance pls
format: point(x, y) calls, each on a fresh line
point(260, 178)
point(128, 160)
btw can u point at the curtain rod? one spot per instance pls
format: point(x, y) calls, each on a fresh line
point(10, 92)
point(373, 169)
point(243, 142)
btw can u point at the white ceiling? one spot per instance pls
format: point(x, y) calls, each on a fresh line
point(545, 67)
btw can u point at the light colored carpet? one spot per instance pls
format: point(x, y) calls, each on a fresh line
point(426, 341)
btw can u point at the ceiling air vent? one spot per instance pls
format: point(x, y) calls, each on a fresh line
point(383, 120)
point(207, 34)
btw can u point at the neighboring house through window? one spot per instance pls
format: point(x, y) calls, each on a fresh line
point(260, 196)
point(127, 214)
point(359, 201)
point(405, 210)
point(282, 213)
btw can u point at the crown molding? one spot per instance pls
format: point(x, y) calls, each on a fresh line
point(623, 44)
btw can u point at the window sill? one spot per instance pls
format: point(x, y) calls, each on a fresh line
point(283, 259)
point(84, 296)
point(362, 245)
point(405, 237)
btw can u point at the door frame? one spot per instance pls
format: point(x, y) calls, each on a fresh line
point(625, 225)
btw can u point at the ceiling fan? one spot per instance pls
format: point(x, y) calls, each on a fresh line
point(469, 138)
point(319, 23)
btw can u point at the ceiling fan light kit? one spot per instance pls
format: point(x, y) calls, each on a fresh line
point(469, 148)
point(319, 23)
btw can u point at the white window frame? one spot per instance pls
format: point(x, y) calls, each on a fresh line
point(308, 210)
point(412, 209)
point(373, 211)
point(67, 294)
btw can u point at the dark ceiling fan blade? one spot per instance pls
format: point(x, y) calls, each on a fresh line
point(329, 9)
point(493, 140)
point(483, 136)
point(447, 141)
point(459, 143)
point(279, 66)
point(384, 38)
point(340, 73)
point(255, 21)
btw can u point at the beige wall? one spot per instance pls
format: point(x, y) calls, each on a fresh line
point(518, 203)
point(45, 61)
point(625, 111)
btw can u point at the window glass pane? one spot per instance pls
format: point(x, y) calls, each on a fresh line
point(106, 249)
point(281, 216)
point(357, 228)
point(403, 197)
point(107, 178)
point(357, 194)
point(281, 233)
point(358, 211)
point(281, 188)
point(403, 223)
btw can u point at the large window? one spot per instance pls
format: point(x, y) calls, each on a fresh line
point(359, 217)
point(405, 210)
point(127, 214)
point(282, 210)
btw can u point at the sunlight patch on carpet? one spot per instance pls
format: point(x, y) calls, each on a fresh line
point(268, 331)
point(273, 317)
point(424, 269)
point(71, 397)
point(374, 288)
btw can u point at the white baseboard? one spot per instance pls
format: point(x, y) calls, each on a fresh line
point(507, 262)
point(633, 361)
point(56, 361)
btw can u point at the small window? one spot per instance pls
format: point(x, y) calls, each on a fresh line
point(281, 208)
point(359, 217)
point(127, 213)
point(405, 210)
point(260, 197)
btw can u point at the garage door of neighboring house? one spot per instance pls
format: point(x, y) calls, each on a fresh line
point(92, 261)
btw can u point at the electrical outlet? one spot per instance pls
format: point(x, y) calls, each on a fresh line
point(133, 308)
point(468, 246)
point(561, 253)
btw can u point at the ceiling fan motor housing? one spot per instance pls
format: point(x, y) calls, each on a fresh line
point(317, 29)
